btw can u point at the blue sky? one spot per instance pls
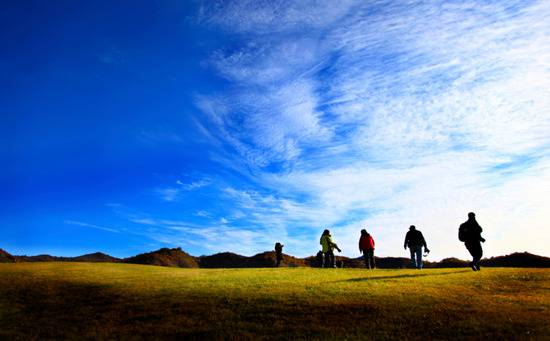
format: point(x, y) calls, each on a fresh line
point(230, 125)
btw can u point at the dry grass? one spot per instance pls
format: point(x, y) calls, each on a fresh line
point(87, 300)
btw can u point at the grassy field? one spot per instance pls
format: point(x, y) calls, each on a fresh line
point(87, 300)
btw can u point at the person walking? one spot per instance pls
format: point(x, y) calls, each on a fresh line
point(366, 246)
point(328, 249)
point(469, 232)
point(415, 241)
point(279, 253)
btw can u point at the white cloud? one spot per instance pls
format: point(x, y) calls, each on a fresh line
point(396, 114)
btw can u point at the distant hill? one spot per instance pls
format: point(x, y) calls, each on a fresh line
point(518, 260)
point(261, 260)
point(91, 257)
point(42, 258)
point(5, 257)
point(176, 257)
point(223, 260)
point(269, 259)
point(449, 263)
point(165, 257)
point(95, 257)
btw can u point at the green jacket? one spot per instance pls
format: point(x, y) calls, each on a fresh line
point(327, 243)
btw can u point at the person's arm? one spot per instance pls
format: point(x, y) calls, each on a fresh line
point(360, 239)
point(423, 241)
point(406, 240)
point(331, 242)
point(372, 242)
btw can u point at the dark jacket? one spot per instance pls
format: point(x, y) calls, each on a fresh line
point(415, 238)
point(472, 231)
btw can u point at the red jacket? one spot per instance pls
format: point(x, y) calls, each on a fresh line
point(366, 243)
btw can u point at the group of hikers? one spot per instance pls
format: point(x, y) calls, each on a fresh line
point(469, 232)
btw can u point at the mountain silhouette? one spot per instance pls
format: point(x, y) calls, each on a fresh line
point(5, 257)
point(95, 257)
point(165, 257)
point(176, 257)
point(518, 260)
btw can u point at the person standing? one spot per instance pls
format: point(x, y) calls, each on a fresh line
point(415, 241)
point(469, 232)
point(328, 249)
point(366, 246)
point(279, 253)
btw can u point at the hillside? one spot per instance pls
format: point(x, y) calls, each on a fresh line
point(176, 257)
point(95, 257)
point(518, 260)
point(165, 257)
point(116, 301)
point(5, 257)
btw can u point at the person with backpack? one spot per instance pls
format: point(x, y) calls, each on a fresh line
point(328, 249)
point(279, 253)
point(366, 246)
point(469, 232)
point(415, 241)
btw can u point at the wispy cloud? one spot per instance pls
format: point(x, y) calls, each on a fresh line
point(396, 114)
point(173, 192)
point(104, 228)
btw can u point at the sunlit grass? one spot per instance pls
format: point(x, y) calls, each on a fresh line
point(74, 300)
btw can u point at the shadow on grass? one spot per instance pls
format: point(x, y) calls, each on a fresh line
point(423, 274)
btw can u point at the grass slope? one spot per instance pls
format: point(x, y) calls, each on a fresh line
point(102, 300)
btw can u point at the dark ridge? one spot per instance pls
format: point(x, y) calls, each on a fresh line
point(450, 263)
point(268, 259)
point(42, 258)
point(224, 260)
point(95, 257)
point(165, 257)
point(517, 260)
point(177, 258)
point(5, 257)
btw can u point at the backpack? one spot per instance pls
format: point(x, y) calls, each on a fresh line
point(462, 233)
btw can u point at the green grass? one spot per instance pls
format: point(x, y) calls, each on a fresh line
point(87, 300)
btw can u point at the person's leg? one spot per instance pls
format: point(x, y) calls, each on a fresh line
point(471, 247)
point(474, 251)
point(419, 258)
point(413, 259)
point(371, 258)
point(332, 260)
point(366, 258)
point(478, 253)
point(325, 259)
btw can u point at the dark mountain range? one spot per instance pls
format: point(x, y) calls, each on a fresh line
point(95, 257)
point(518, 260)
point(176, 257)
point(5, 257)
point(165, 257)
point(42, 258)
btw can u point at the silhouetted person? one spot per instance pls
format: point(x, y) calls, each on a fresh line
point(470, 233)
point(328, 249)
point(366, 246)
point(279, 253)
point(415, 241)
